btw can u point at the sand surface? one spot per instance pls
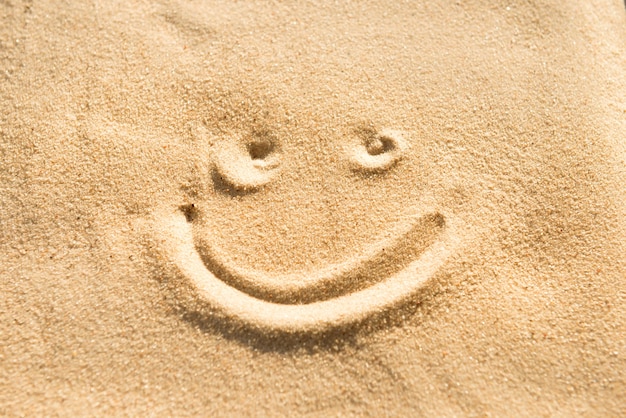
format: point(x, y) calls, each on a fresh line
point(254, 208)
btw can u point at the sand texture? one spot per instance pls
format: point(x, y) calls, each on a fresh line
point(313, 208)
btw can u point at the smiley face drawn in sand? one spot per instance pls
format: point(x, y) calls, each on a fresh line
point(373, 279)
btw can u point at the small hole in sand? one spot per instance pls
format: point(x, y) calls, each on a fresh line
point(379, 150)
point(189, 211)
point(379, 145)
point(374, 142)
point(261, 146)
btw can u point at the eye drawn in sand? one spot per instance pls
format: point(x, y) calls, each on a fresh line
point(244, 163)
point(380, 151)
point(376, 279)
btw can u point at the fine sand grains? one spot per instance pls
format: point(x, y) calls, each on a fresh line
point(235, 208)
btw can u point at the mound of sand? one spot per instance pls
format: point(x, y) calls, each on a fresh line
point(313, 208)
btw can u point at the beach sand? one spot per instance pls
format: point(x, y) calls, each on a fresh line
point(313, 208)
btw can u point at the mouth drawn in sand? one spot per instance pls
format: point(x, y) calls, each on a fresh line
point(384, 275)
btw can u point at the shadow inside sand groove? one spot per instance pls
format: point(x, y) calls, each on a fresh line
point(333, 339)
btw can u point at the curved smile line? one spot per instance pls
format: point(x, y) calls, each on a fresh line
point(380, 260)
point(304, 317)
